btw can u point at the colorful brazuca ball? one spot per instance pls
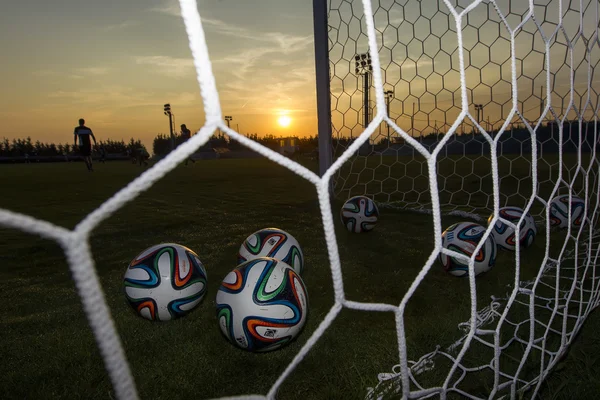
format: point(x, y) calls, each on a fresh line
point(463, 237)
point(165, 282)
point(275, 243)
point(559, 211)
point(504, 235)
point(262, 305)
point(359, 214)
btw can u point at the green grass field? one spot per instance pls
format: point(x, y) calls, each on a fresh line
point(48, 350)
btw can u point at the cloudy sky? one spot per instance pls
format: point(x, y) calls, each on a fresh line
point(115, 63)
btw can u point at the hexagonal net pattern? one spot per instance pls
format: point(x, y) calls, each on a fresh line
point(517, 74)
point(560, 310)
point(484, 104)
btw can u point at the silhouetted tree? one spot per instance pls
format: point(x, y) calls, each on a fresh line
point(20, 147)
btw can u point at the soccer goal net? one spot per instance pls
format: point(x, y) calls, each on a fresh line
point(457, 77)
point(443, 107)
point(472, 106)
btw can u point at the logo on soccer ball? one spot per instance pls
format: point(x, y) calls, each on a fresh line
point(473, 232)
point(270, 333)
point(241, 340)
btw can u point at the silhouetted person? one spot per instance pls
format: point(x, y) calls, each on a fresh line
point(83, 133)
point(131, 156)
point(102, 154)
point(142, 156)
point(186, 134)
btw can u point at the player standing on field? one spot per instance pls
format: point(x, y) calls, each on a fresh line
point(83, 133)
point(143, 155)
point(102, 154)
point(186, 134)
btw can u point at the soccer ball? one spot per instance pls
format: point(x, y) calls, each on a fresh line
point(463, 237)
point(275, 243)
point(262, 305)
point(165, 282)
point(504, 235)
point(359, 214)
point(559, 211)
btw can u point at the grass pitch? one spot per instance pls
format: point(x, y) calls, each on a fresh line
point(48, 350)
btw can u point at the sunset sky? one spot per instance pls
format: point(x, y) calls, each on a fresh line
point(116, 62)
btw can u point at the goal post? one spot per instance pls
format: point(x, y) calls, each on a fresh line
point(322, 81)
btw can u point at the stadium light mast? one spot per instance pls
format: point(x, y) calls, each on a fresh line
point(389, 95)
point(167, 111)
point(228, 118)
point(479, 108)
point(362, 66)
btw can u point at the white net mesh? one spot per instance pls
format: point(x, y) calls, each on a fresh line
point(554, 304)
point(418, 49)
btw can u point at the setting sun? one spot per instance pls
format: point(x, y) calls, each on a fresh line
point(284, 121)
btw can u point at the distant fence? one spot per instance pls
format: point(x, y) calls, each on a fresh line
point(479, 146)
point(512, 142)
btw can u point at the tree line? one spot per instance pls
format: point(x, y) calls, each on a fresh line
point(22, 147)
point(162, 143)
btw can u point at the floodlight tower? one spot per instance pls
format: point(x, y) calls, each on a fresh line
point(228, 118)
point(479, 108)
point(389, 95)
point(167, 111)
point(362, 66)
